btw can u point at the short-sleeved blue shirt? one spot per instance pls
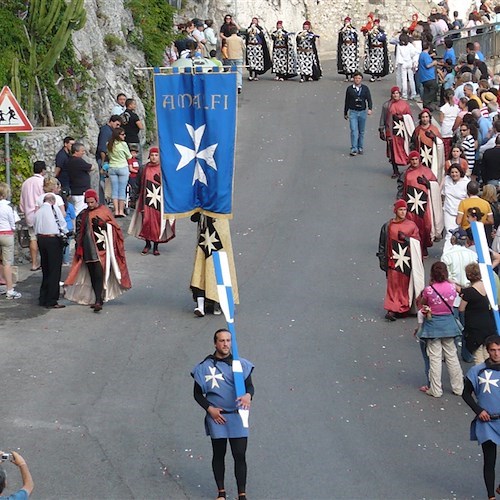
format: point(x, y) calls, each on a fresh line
point(18, 495)
point(425, 74)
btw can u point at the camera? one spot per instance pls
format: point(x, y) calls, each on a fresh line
point(6, 456)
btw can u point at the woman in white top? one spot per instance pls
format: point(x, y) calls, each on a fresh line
point(7, 228)
point(406, 59)
point(447, 116)
point(453, 190)
point(51, 185)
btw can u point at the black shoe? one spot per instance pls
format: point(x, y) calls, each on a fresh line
point(360, 151)
point(390, 316)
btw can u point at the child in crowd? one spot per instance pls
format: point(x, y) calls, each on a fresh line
point(70, 222)
point(214, 59)
point(134, 168)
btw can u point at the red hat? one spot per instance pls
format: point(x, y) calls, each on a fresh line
point(400, 204)
point(279, 22)
point(154, 149)
point(371, 15)
point(395, 89)
point(414, 154)
point(90, 193)
point(376, 21)
point(306, 23)
point(425, 110)
point(347, 20)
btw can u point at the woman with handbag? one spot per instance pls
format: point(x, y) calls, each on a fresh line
point(478, 317)
point(440, 329)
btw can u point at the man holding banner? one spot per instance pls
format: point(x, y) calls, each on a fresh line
point(214, 391)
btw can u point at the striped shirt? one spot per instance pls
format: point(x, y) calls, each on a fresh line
point(469, 147)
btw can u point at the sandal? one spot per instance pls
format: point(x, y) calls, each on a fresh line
point(221, 494)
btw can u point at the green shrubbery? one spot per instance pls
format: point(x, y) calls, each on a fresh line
point(21, 166)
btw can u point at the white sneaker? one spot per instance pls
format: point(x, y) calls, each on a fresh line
point(199, 312)
point(12, 294)
point(217, 310)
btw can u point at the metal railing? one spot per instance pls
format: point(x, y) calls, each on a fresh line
point(488, 36)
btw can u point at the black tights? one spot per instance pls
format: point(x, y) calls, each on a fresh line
point(97, 279)
point(155, 244)
point(489, 459)
point(238, 449)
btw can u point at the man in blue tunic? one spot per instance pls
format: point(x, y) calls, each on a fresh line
point(214, 391)
point(483, 381)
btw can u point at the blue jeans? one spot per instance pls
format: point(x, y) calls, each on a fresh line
point(357, 122)
point(119, 179)
point(238, 64)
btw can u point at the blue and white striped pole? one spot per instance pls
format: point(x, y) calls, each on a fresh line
point(226, 301)
point(487, 274)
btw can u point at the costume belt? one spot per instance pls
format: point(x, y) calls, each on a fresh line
point(304, 50)
point(254, 43)
point(495, 416)
point(348, 42)
point(377, 44)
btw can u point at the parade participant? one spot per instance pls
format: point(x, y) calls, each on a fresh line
point(148, 222)
point(307, 54)
point(454, 190)
point(31, 189)
point(377, 60)
point(440, 329)
point(414, 23)
point(99, 271)
point(369, 23)
point(357, 105)
point(212, 235)
point(50, 228)
point(396, 127)
point(258, 59)
point(284, 56)
point(400, 257)
point(214, 391)
point(426, 139)
point(414, 186)
point(481, 380)
point(347, 50)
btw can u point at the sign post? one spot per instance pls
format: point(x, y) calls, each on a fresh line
point(12, 119)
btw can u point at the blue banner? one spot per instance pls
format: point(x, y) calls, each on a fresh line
point(196, 118)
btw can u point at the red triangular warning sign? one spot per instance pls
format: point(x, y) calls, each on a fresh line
point(12, 117)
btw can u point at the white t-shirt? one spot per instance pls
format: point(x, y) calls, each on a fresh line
point(454, 194)
point(449, 115)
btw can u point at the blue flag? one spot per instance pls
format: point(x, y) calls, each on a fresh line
point(196, 118)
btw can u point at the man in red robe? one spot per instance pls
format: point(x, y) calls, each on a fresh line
point(99, 271)
point(396, 127)
point(400, 257)
point(414, 187)
point(148, 222)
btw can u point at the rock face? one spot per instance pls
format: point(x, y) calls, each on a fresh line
point(101, 46)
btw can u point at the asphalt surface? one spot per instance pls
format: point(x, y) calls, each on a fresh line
point(101, 405)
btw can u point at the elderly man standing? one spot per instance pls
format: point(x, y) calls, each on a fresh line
point(31, 189)
point(50, 228)
point(396, 127)
point(400, 257)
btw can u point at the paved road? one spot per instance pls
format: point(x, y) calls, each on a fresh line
point(101, 405)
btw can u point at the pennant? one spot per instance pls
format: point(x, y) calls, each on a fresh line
point(226, 301)
point(196, 118)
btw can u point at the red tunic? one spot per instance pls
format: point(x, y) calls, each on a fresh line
point(399, 266)
point(150, 206)
point(394, 125)
point(423, 144)
point(417, 196)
